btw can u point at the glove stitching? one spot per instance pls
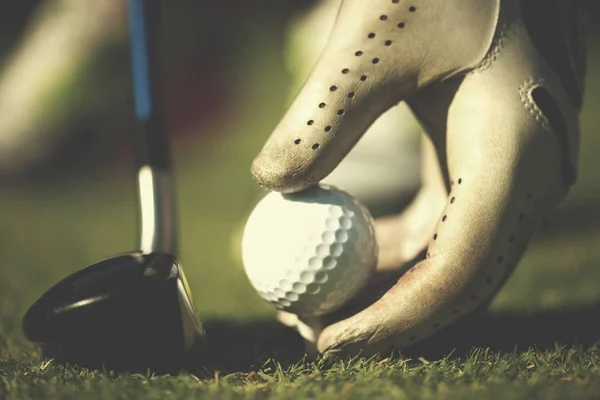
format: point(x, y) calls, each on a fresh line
point(495, 48)
point(527, 100)
point(508, 15)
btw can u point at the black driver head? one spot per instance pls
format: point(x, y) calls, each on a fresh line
point(131, 312)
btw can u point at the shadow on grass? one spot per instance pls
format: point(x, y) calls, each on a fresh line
point(504, 332)
point(246, 346)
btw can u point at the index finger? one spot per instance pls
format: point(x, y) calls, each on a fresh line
point(376, 56)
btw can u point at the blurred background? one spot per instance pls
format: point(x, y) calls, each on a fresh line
point(229, 69)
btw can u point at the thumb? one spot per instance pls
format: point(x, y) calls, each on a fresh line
point(376, 56)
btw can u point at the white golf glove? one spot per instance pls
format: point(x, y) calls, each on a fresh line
point(497, 85)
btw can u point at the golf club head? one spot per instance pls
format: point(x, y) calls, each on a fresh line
point(131, 312)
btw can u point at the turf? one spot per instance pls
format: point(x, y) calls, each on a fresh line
point(538, 339)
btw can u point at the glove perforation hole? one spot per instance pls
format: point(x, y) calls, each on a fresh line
point(358, 53)
point(327, 128)
point(444, 218)
point(310, 122)
point(500, 259)
point(388, 42)
point(341, 112)
point(401, 25)
point(375, 60)
point(297, 141)
point(435, 236)
point(363, 78)
point(452, 200)
point(395, 1)
point(383, 17)
point(412, 8)
point(333, 88)
point(371, 35)
point(322, 105)
point(345, 71)
point(428, 255)
point(459, 181)
point(350, 95)
point(315, 146)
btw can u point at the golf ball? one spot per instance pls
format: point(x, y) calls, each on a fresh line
point(308, 253)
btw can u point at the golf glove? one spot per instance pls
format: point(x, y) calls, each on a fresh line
point(497, 86)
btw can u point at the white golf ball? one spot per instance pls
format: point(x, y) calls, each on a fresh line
point(308, 253)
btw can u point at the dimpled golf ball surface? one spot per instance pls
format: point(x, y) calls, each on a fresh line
point(308, 253)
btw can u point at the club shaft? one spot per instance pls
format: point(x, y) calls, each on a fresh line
point(153, 159)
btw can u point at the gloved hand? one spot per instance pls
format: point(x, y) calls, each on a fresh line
point(497, 85)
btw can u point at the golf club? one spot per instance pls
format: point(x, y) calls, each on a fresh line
point(134, 311)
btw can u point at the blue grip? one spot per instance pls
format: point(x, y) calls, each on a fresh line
point(139, 57)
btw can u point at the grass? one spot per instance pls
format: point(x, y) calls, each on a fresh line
point(538, 339)
point(557, 374)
